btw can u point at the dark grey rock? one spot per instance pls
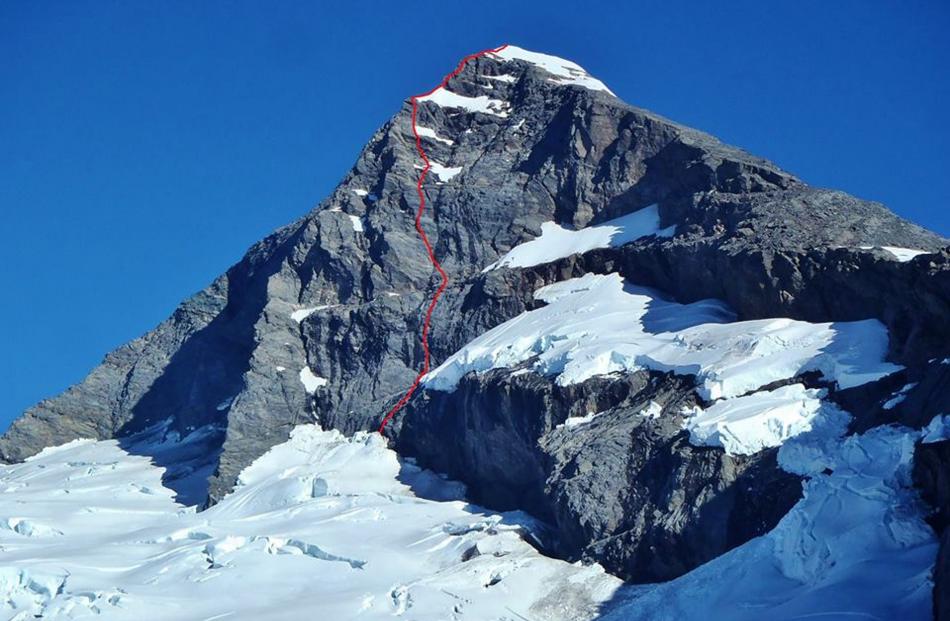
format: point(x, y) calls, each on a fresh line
point(932, 476)
point(624, 489)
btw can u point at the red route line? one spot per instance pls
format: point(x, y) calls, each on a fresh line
point(425, 240)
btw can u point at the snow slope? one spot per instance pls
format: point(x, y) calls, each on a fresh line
point(319, 527)
point(747, 424)
point(556, 242)
point(482, 103)
point(598, 324)
point(563, 71)
point(855, 547)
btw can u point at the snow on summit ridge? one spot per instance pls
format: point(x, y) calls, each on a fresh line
point(565, 71)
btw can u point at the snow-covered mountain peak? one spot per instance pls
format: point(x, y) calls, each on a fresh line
point(680, 358)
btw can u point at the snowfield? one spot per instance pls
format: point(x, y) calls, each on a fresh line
point(325, 526)
point(319, 527)
point(855, 547)
point(556, 242)
point(599, 324)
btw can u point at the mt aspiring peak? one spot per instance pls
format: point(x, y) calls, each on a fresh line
point(516, 139)
point(649, 340)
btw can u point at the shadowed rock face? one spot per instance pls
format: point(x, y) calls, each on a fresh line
point(627, 491)
point(932, 476)
point(624, 489)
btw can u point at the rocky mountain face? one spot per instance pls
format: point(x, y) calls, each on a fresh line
point(320, 321)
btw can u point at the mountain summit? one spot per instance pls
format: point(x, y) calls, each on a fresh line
point(670, 352)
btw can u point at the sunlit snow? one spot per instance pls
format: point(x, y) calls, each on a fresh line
point(322, 526)
point(302, 313)
point(482, 103)
point(652, 410)
point(747, 424)
point(357, 223)
point(425, 132)
point(311, 381)
point(901, 254)
point(556, 242)
point(598, 324)
point(564, 71)
point(577, 421)
point(444, 173)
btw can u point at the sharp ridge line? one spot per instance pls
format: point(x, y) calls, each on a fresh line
point(425, 239)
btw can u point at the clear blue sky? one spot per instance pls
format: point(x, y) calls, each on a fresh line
point(145, 145)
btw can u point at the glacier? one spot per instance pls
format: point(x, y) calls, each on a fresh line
point(320, 523)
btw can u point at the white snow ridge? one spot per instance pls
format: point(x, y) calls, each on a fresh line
point(598, 324)
point(564, 71)
point(321, 526)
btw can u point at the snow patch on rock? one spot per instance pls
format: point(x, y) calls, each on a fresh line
point(302, 313)
point(426, 132)
point(937, 430)
point(357, 223)
point(901, 254)
point(444, 173)
point(447, 99)
point(557, 242)
point(311, 381)
point(577, 421)
point(898, 397)
point(652, 410)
